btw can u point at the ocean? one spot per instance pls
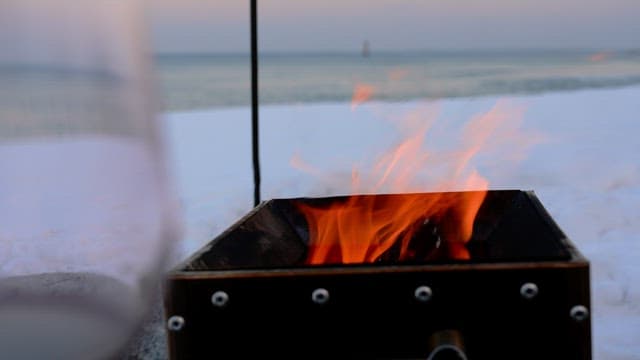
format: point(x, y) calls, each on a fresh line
point(203, 81)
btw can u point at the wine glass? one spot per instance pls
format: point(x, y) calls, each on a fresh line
point(86, 207)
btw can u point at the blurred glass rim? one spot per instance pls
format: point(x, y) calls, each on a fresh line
point(79, 36)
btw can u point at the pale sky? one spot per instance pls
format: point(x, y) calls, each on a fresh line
point(343, 25)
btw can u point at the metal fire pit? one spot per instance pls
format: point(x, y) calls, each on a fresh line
point(523, 294)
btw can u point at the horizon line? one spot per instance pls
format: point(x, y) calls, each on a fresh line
point(396, 51)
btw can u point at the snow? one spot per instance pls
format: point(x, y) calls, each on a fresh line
point(85, 203)
point(579, 152)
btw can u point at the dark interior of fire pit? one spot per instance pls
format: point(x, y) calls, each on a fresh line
point(510, 226)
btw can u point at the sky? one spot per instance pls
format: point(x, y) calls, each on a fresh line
point(343, 25)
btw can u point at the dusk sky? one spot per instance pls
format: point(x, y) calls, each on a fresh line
point(343, 25)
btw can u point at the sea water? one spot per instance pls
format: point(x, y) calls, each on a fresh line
point(195, 81)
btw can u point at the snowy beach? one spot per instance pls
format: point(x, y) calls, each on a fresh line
point(128, 145)
point(578, 151)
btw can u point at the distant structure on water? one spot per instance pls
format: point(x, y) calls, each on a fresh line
point(365, 49)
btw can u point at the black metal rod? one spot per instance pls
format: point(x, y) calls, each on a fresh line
point(254, 103)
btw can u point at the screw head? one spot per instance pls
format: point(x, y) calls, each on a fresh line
point(423, 293)
point(219, 298)
point(529, 290)
point(175, 323)
point(579, 313)
point(320, 296)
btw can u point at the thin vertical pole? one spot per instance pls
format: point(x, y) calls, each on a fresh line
point(254, 103)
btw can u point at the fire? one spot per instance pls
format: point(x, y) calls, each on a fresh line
point(397, 74)
point(362, 229)
point(599, 56)
point(361, 94)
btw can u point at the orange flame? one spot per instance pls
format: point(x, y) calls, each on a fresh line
point(361, 94)
point(599, 56)
point(397, 74)
point(362, 228)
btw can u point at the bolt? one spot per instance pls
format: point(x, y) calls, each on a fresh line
point(423, 293)
point(529, 290)
point(175, 323)
point(219, 298)
point(320, 296)
point(579, 313)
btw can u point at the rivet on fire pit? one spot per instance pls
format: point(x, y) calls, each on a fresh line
point(423, 293)
point(320, 296)
point(175, 323)
point(529, 290)
point(219, 298)
point(579, 313)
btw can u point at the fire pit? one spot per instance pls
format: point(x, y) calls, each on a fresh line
point(514, 288)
